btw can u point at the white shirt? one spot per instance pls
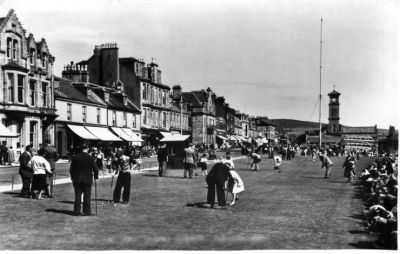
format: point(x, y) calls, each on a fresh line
point(39, 165)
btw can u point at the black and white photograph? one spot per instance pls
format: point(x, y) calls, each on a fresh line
point(199, 125)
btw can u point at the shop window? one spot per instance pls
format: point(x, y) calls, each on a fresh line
point(125, 120)
point(114, 118)
point(98, 115)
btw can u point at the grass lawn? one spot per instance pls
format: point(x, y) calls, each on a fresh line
point(294, 209)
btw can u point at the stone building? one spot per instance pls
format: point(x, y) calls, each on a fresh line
point(26, 86)
point(140, 82)
point(179, 108)
point(202, 115)
point(92, 114)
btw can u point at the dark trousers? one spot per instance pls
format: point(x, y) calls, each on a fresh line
point(123, 180)
point(162, 168)
point(86, 190)
point(26, 185)
point(188, 168)
point(211, 192)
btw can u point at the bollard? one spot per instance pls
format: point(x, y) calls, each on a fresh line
point(12, 183)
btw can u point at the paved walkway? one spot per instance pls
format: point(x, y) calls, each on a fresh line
point(63, 180)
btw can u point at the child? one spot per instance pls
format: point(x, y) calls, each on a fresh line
point(108, 164)
point(203, 164)
point(237, 186)
point(278, 162)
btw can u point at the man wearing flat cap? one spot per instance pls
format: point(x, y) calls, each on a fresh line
point(83, 168)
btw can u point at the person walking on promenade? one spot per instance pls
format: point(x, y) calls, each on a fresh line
point(124, 179)
point(26, 172)
point(40, 167)
point(188, 161)
point(326, 163)
point(11, 155)
point(162, 158)
point(82, 170)
point(51, 157)
point(256, 160)
point(215, 179)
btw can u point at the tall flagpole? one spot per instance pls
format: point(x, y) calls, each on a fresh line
point(320, 85)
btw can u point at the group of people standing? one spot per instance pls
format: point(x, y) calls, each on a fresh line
point(37, 171)
point(7, 155)
point(84, 169)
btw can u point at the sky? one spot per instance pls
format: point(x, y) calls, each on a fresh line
point(262, 56)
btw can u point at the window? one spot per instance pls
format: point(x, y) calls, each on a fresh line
point(9, 47)
point(84, 114)
point(44, 61)
point(125, 120)
point(114, 118)
point(10, 87)
point(134, 121)
point(144, 91)
point(145, 116)
point(98, 115)
point(164, 99)
point(164, 119)
point(32, 57)
point(69, 111)
point(32, 132)
point(15, 49)
point(20, 89)
point(148, 92)
point(32, 92)
point(160, 97)
point(44, 94)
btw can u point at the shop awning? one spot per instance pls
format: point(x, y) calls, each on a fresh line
point(121, 133)
point(221, 137)
point(103, 133)
point(165, 134)
point(82, 132)
point(132, 136)
point(174, 138)
point(4, 132)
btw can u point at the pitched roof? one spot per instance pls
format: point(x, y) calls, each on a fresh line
point(191, 98)
point(67, 91)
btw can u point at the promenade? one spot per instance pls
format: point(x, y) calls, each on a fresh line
point(294, 209)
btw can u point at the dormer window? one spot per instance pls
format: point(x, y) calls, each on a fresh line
point(15, 49)
point(32, 57)
point(44, 61)
point(106, 96)
point(9, 47)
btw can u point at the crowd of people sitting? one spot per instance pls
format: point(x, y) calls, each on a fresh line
point(379, 181)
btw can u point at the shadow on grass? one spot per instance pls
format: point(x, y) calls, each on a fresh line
point(199, 205)
point(66, 212)
point(363, 245)
point(358, 232)
point(66, 202)
point(313, 177)
point(357, 216)
point(151, 175)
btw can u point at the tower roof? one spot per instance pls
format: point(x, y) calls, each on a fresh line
point(334, 92)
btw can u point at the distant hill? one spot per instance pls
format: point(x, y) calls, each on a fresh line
point(294, 126)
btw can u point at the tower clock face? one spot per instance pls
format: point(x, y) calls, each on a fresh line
point(334, 100)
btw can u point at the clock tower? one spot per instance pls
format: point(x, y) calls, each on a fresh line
point(333, 126)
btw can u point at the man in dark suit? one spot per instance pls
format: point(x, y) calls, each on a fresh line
point(26, 172)
point(82, 169)
point(216, 179)
point(162, 158)
point(51, 157)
